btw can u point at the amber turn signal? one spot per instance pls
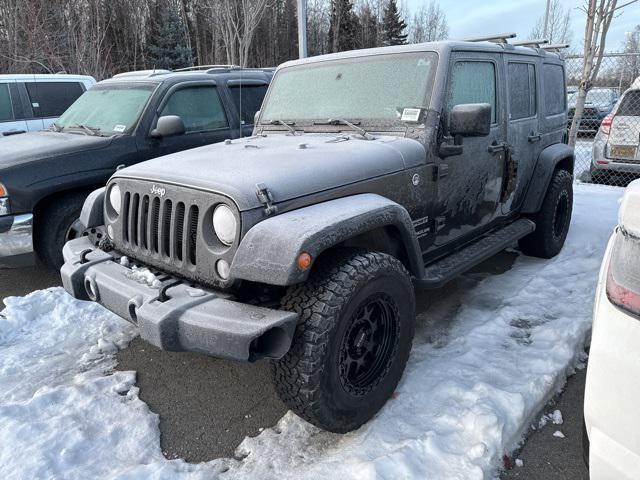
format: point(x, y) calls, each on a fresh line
point(3, 191)
point(304, 261)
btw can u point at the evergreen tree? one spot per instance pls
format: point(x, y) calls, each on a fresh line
point(393, 26)
point(343, 26)
point(167, 47)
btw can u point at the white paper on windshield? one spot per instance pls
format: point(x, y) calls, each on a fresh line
point(119, 128)
point(411, 114)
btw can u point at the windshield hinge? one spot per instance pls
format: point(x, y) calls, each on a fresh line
point(266, 198)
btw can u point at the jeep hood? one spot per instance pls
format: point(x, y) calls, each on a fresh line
point(289, 166)
point(27, 147)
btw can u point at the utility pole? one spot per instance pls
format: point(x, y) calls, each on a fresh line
point(546, 20)
point(302, 28)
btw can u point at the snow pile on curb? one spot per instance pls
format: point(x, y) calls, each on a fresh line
point(476, 378)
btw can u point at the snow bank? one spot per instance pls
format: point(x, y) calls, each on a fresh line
point(478, 374)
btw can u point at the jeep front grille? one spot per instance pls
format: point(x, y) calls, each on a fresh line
point(160, 226)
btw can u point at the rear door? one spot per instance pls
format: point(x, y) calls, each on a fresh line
point(247, 96)
point(523, 134)
point(11, 112)
point(625, 128)
point(469, 185)
point(49, 98)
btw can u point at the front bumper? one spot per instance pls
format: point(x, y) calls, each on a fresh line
point(177, 316)
point(16, 240)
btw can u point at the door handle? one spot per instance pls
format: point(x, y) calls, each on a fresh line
point(534, 137)
point(497, 147)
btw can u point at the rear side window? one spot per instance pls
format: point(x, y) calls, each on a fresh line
point(51, 99)
point(6, 109)
point(199, 107)
point(522, 90)
point(473, 82)
point(554, 96)
point(630, 104)
point(248, 99)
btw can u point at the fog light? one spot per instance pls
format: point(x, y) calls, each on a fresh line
point(223, 268)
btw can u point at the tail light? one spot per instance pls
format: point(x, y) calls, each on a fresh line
point(605, 126)
point(623, 277)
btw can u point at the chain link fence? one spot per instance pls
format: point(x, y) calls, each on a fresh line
point(607, 148)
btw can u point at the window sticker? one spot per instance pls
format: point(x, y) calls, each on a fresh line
point(119, 128)
point(411, 114)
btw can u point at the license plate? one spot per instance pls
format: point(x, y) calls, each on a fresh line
point(622, 151)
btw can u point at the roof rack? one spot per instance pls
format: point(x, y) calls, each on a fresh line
point(556, 47)
point(536, 43)
point(141, 73)
point(498, 38)
point(206, 67)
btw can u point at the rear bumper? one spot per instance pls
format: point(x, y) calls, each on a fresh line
point(177, 316)
point(16, 240)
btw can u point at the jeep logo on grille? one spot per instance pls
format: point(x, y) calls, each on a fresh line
point(158, 191)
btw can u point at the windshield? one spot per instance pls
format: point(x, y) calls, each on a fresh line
point(375, 88)
point(595, 96)
point(107, 109)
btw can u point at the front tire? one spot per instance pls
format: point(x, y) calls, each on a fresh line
point(553, 219)
point(55, 225)
point(357, 314)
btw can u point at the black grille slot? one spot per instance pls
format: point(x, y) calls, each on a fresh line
point(155, 224)
point(133, 219)
point(125, 217)
point(144, 222)
point(165, 232)
point(192, 234)
point(179, 231)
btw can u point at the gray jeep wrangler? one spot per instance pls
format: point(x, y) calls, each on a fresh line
point(370, 173)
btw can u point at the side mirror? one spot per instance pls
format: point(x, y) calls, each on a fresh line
point(256, 116)
point(168, 126)
point(470, 120)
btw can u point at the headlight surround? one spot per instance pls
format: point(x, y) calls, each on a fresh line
point(115, 198)
point(225, 225)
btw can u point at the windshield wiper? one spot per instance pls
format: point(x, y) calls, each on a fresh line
point(89, 130)
point(353, 126)
point(287, 125)
point(55, 127)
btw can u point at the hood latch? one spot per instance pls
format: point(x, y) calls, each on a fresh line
point(266, 198)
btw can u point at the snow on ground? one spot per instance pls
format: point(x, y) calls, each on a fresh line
point(469, 393)
point(584, 154)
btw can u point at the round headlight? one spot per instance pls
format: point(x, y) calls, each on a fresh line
point(224, 224)
point(115, 198)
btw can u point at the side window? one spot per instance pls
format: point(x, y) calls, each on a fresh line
point(473, 82)
point(248, 99)
point(6, 108)
point(199, 107)
point(554, 96)
point(522, 90)
point(630, 104)
point(51, 99)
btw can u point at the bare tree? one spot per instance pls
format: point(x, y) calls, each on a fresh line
point(600, 14)
point(558, 24)
point(428, 24)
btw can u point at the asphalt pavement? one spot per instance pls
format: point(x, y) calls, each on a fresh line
point(208, 406)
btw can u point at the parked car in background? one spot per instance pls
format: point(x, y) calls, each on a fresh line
point(598, 104)
point(33, 102)
point(45, 176)
point(612, 393)
point(615, 148)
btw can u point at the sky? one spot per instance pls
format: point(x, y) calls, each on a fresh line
point(468, 18)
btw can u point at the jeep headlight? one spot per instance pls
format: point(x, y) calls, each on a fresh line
point(5, 207)
point(225, 224)
point(115, 198)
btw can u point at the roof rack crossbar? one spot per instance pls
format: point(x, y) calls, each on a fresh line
point(556, 47)
point(498, 38)
point(536, 42)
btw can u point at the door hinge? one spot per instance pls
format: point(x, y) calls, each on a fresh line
point(440, 171)
point(266, 198)
point(440, 223)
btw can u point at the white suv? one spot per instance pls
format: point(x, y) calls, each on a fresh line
point(612, 393)
point(615, 147)
point(34, 102)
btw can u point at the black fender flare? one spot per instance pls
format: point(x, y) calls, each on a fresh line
point(92, 214)
point(547, 162)
point(269, 251)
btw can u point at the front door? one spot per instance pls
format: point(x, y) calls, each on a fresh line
point(469, 185)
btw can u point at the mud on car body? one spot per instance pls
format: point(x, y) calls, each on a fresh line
point(369, 173)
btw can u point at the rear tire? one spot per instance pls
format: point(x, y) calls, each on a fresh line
point(357, 314)
point(57, 224)
point(553, 219)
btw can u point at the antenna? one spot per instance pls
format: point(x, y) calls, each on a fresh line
point(498, 38)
